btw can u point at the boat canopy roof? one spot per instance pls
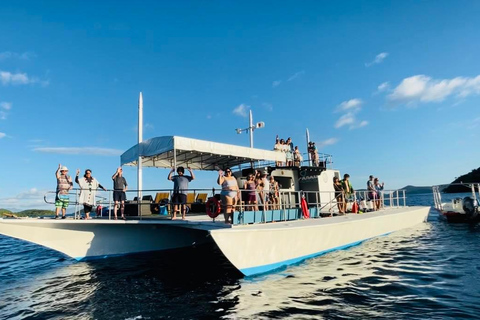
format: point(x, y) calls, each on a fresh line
point(170, 151)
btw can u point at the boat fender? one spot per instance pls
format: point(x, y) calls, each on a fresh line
point(306, 213)
point(213, 207)
point(355, 207)
point(469, 206)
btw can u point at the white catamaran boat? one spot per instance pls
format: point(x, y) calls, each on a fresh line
point(260, 240)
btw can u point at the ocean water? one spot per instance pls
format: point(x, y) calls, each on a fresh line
point(429, 272)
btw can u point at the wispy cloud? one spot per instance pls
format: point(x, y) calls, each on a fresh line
point(6, 105)
point(276, 83)
point(4, 108)
point(268, 106)
point(81, 151)
point(296, 75)
point(327, 142)
point(350, 120)
point(14, 55)
point(30, 199)
point(7, 78)
point(241, 110)
point(383, 87)
point(378, 59)
point(350, 105)
point(2, 135)
point(423, 89)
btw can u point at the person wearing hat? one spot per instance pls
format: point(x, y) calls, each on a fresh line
point(64, 185)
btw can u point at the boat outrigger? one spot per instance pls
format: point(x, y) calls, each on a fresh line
point(261, 239)
point(459, 209)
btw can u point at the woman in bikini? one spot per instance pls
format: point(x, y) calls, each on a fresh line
point(251, 194)
point(229, 193)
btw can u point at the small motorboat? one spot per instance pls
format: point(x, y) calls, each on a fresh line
point(459, 210)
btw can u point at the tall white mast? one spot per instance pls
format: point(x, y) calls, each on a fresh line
point(308, 140)
point(140, 139)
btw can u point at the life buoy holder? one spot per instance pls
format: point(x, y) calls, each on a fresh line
point(213, 207)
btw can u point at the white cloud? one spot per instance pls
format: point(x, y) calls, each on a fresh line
point(350, 105)
point(276, 83)
point(383, 87)
point(2, 135)
point(3, 115)
point(241, 110)
point(81, 151)
point(350, 120)
point(31, 199)
point(327, 142)
point(23, 56)
point(344, 120)
point(296, 75)
point(15, 78)
point(421, 88)
point(6, 105)
point(378, 59)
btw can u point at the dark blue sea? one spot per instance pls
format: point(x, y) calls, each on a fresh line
point(429, 272)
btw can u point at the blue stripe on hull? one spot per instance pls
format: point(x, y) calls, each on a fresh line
point(254, 271)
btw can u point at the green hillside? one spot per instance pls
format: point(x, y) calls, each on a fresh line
point(27, 213)
point(472, 176)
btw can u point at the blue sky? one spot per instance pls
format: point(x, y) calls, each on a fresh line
point(388, 88)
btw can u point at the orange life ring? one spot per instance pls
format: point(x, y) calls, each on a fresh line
point(213, 207)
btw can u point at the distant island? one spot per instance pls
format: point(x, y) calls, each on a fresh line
point(26, 213)
point(472, 176)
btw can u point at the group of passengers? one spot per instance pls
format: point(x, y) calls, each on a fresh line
point(88, 187)
point(374, 189)
point(344, 192)
point(258, 190)
point(313, 152)
point(261, 191)
point(292, 154)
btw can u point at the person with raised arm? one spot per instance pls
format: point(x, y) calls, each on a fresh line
point(64, 185)
point(88, 187)
point(180, 190)
point(119, 188)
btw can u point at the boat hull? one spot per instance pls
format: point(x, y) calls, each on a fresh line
point(83, 240)
point(264, 248)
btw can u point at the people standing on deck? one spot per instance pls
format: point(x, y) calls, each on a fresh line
point(119, 188)
point(259, 185)
point(251, 196)
point(278, 148)
point(312, 149)
point(229, 194)
point(372, 193)
point(289, 152)
point(273, 189)
point(180, 190)
point(64, 185)
point(339, 195)
point(378, 188)
point(88, 187)
point(347, 187)
point(266, 190)
point(297, 157)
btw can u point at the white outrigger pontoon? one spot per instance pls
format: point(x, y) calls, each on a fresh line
point(257, 241)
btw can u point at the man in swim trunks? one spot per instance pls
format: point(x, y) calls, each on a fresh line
point(64, 185)
point(180, 190)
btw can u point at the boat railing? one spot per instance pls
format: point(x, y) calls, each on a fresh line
point(473, 188)
point(150, 202)
point(282, 205)
point(324, 160)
